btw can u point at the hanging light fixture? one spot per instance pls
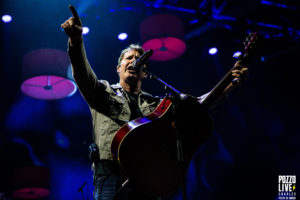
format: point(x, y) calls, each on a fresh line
point(46, 74)
point(164, 34)
point(31, 182)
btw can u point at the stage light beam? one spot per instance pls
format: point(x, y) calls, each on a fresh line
point(6, 18)
point(85, 30)
point(213, 51)
point(122, 36)
point(237, 54)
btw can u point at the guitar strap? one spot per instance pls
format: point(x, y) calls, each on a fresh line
point(94, 116)
point(93, 151)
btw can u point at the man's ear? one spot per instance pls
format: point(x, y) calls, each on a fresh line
point(118, 69)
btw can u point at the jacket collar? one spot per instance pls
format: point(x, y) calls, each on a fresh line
point(142, 93)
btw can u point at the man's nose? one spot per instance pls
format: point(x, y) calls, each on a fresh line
point(134, 59)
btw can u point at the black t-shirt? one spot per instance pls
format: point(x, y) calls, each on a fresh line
point(134, 107)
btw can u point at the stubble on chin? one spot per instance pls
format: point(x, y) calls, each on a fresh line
point(131, 79)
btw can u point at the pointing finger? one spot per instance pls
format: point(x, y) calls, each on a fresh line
point(75, 14)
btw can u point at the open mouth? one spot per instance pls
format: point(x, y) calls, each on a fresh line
point(131, 70)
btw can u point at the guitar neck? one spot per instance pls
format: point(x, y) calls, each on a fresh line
point(217, 91)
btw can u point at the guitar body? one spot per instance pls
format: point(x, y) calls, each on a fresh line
point(146, 147)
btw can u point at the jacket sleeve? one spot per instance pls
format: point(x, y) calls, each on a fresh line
point(91, 89)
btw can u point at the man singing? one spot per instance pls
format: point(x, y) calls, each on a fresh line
point(113, 106)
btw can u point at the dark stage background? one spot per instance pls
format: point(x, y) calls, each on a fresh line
point(256, 130)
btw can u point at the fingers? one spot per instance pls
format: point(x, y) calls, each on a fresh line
point(75, 15)
point(73, 27)
point(240, 72)
point(239, 75)
point(73, 30)
point(238, 65)
point(68, 23)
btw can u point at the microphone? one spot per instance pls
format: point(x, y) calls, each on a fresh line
point(138, 63)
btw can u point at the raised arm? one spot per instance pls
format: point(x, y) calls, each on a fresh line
point(84, 76)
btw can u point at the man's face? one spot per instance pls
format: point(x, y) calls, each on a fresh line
point(125, 69)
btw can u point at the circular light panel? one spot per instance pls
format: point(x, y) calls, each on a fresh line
point(48, 87)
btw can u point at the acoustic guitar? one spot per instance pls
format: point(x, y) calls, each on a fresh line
point(145, 148)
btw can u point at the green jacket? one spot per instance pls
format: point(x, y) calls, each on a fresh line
point(109, 104)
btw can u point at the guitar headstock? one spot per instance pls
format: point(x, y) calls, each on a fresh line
point(252, 45)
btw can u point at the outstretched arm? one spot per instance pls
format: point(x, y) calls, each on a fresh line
point(84, 76)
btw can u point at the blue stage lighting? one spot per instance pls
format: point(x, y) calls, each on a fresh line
point(122, 36)
point(6, 18)
point(194, 21)
point(213, 51)
point(85, 30)
point(61, 140)
point(237, 54)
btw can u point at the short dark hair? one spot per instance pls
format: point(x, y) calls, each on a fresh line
point(135, 47)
